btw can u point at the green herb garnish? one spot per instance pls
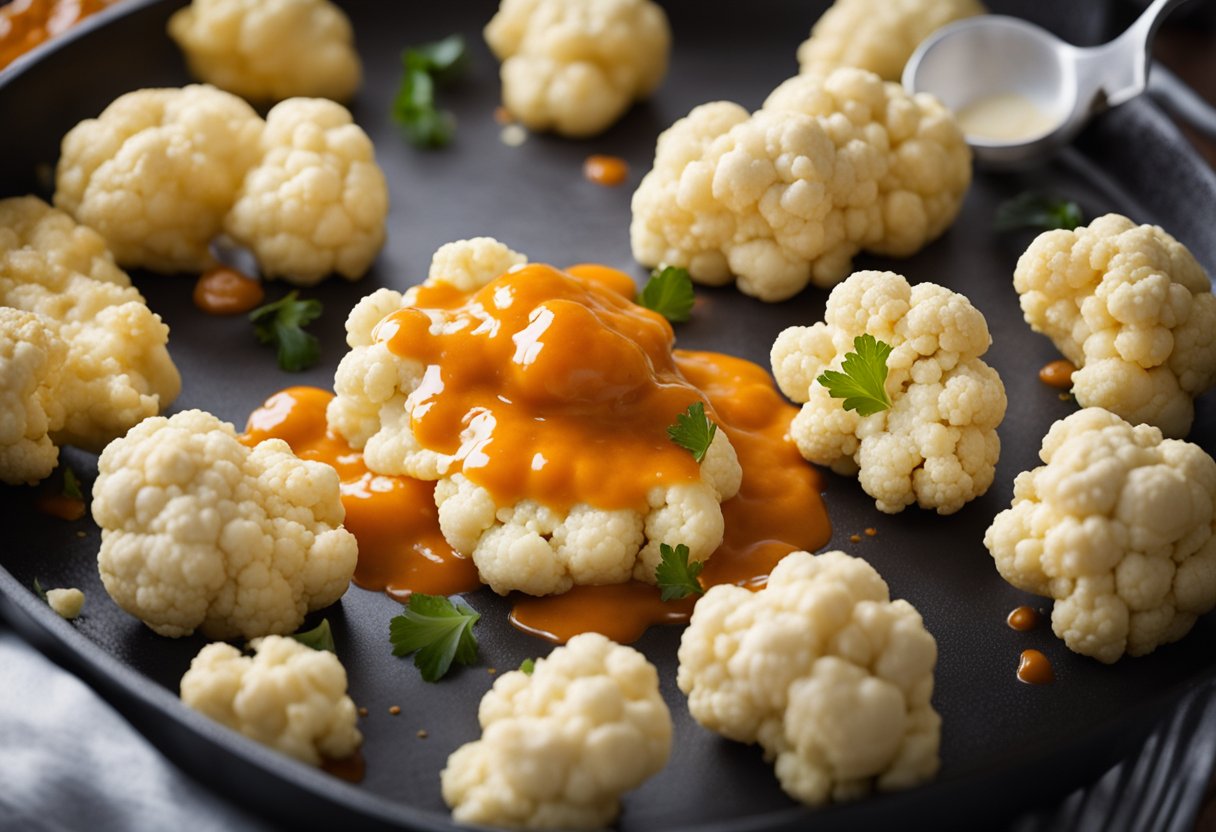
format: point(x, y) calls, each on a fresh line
point(437, 632)
point(71, 485)
point(527, 666)
point(414, 106)
point(693, 431)
point(1037, 210)
point(677, 578)
point(281, 323)
point(669, 292)
point(862, 382)
point(318, 638)
point(40, 591)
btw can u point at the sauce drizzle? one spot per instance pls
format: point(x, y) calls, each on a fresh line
point(24, 24)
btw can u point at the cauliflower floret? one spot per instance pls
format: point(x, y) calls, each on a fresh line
point(317, 200)
point(560, 746)
point(824, 670)
point(31, 360)
point(201, 532)
point(268, 50)
point(937, 445)
point(1132, 309)
point(524, 544)
point(1119, 527)
point(156, 172)
point(575, 66)
point(287, 696)
point(877, 35)
point(829, 167)
point(116, 370)
point(67, 603)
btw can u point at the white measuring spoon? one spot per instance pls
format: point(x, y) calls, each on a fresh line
point(1020, 92)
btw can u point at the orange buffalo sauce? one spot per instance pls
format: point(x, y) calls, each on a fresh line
point(225, 291)
point(552, 386)
point(61, 506)
point(26, 23)
point(1023, 619)
point(400, 547)
point(1035, 669)
point(1057, 373)
point(608, 171)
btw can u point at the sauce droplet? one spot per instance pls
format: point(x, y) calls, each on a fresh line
point(351, 768)
point(1035, 669)
point(225, 291)
point(1057, 373)
point(63, 507)
point(1023, 619)
point(622, 612)
point(608, 171)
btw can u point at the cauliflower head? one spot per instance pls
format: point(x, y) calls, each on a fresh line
point(937, 445)
point(829, 675)
point(67, 603)
point(1119, 527)
point(877, 35)
point(156, 172)
point(575, 66)
point(116, 369)
point(787, 196)
point(31, 361)
point(268, 50)
point(201, 532)
point(560, 746)
point(523, 544)
point(287, 696)
point(1132, 309)
point(317, 200)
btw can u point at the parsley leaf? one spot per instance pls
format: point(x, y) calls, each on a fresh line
point(527, 666)
point(669, 292)
point(281, 323)
point(693, 431)
point(861, 385)
point(71, 485)
point(40, 591)
point(414, 107)
point(437, 632)
point(677, 578)
point(318, 638)
point(1036, 210)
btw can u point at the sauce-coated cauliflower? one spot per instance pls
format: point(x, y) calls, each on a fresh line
point(31, 360)
point(877, 35)
point(157, 171)
point(201, 532)
point(287, 696)
point(317, 200)
point(522, 543)
point(1132, 309)
point(787, 196)
point(116, 369)
point(937, 445)
point(1119, 527)
point(268, 50)
point(824, 670)
point(575, 66)
point(560, 746)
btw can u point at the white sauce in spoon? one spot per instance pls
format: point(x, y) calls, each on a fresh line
point(1006, 116)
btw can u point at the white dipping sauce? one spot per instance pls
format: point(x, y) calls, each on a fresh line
point(1007, 116)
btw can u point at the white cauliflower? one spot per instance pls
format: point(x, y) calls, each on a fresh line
point(268, 50)
point(31, 360)
point(317, 200)
point(201, 532)
point(287, 696)
point(156, 172)
point(829, 675)
point(877, 35)
point(937, 445)
point(560, 746)
point(1119, 527)
point(1132, 309)
point(116, 370)
point(787, 196)
point(524, 546)
point(67, 603)
point(575, 66)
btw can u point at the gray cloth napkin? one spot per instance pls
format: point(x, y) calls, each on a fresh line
point(68, 761)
